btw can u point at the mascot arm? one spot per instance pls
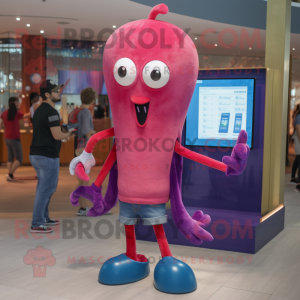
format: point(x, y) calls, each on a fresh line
point(108, 165)
point(98, 137)
point(231, 165)
point(93, 193)
point(82, 164)
point(202, 159)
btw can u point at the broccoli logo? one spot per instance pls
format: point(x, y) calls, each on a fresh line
point(39, 258)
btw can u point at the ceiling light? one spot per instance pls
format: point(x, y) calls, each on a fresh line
point(216, 45)
point(18, 19)
point(294, 49)
point(72, 47)
point(28, 25)
point(195, 38)
point(42, 31)
point(114, 26)
point(93, 47)
point(250, 48)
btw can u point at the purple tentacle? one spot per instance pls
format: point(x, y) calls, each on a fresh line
point(94, 194)
point(110, 198)
point(190, 227)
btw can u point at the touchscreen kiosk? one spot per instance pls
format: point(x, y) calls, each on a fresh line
point(219, 110)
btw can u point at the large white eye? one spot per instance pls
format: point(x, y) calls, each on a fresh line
point(156, 74)
point(125, 71)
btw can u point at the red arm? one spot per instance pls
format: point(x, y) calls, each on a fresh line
point(109, 162)
point(202, 159)
point(97, 137)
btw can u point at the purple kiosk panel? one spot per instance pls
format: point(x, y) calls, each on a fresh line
point(234, 202)
point(207, 187)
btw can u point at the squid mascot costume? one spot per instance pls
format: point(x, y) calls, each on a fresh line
point(150, 70)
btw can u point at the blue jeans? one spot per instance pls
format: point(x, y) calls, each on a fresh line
point(47, 172)
point(131, 214)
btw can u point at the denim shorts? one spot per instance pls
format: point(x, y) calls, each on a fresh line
point(130, 214)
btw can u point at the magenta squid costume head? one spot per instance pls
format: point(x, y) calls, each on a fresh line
point(132, 54)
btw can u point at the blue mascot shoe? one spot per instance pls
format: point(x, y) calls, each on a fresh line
point(174, 276)
point(122, 270)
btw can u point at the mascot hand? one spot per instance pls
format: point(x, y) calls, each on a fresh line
point(236, 163)
point(87, 161)
point(192, 228)
point(92, 193)
point(201, 219)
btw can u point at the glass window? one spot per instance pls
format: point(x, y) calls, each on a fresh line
point(10, 70)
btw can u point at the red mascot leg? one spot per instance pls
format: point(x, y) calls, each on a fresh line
point(130, 242)
point(131, 245)
point(162, 240)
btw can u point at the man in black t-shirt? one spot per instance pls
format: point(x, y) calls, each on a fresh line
point(44, 154)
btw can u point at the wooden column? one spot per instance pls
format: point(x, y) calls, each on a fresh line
point(277, 63)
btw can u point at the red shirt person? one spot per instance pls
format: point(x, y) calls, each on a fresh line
point(12, 127)
point(11, 118)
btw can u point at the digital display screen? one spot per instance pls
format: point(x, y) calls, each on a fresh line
point(81, 80)
point(219, 110)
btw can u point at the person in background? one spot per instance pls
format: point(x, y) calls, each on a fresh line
point(10, 119)
point(44, 154)
point(83, 117)
point(296, 138)
point(34, 103)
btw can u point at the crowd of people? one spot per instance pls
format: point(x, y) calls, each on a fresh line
point(46, 144)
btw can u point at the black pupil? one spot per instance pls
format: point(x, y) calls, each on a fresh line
point(155, 75)
point(122, 72)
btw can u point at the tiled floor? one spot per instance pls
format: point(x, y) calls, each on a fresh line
point(273, 273)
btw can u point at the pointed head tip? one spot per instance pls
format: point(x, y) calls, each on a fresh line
point(158, 9)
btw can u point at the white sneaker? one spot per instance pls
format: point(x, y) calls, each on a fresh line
point(82, 212)
point(8, 178)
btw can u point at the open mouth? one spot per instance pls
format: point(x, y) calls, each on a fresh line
point(141, 111)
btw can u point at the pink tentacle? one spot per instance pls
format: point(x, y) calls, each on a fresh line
point(80, 172)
